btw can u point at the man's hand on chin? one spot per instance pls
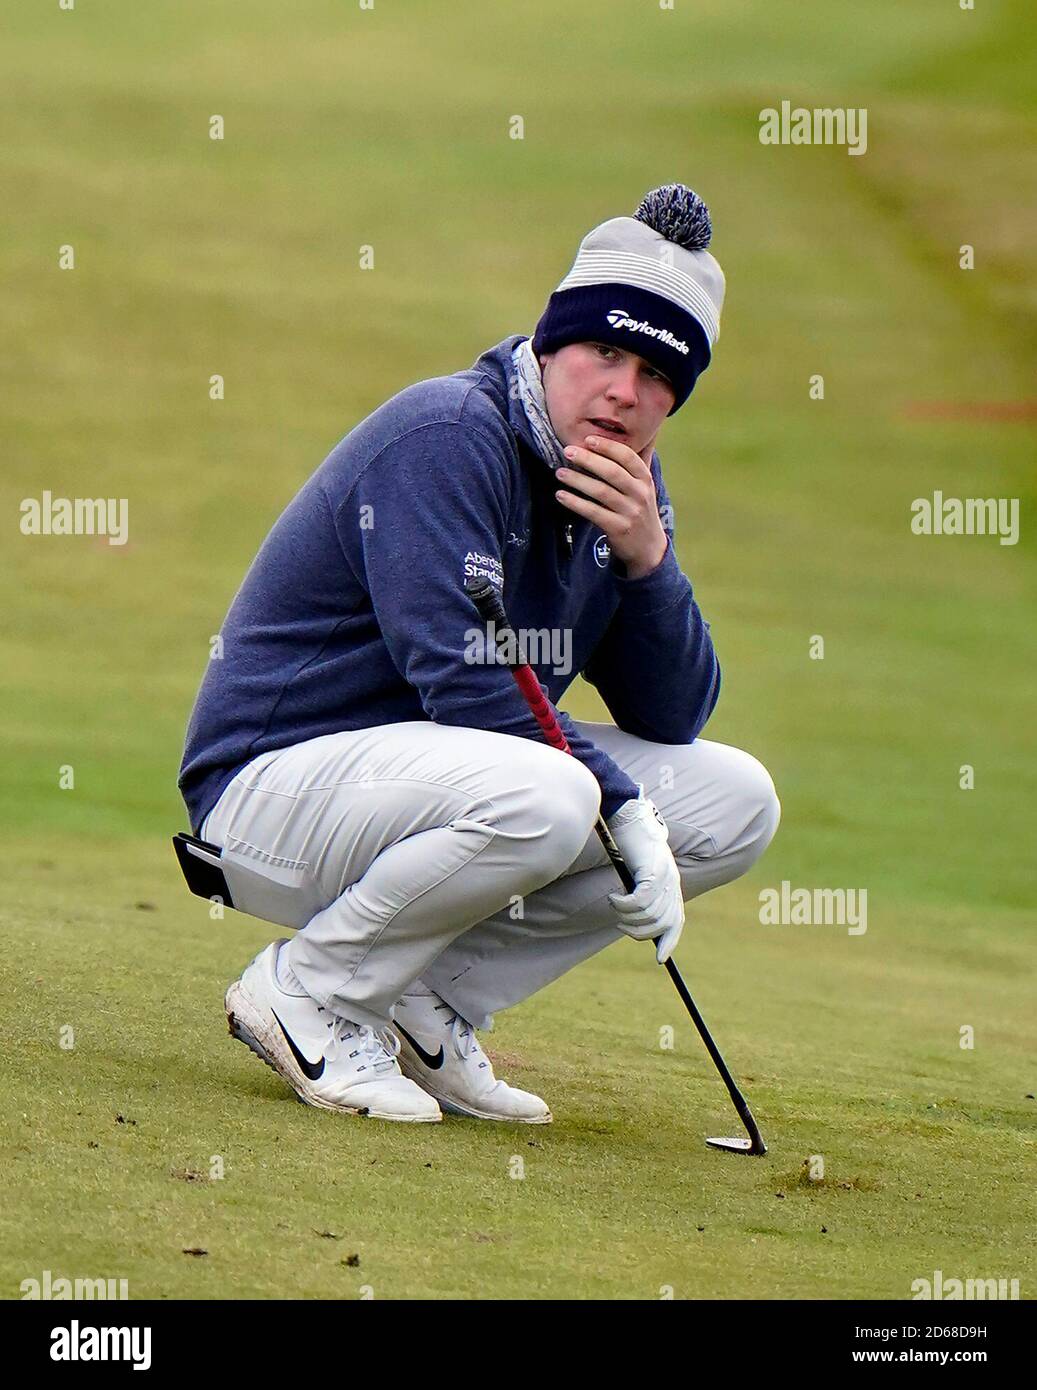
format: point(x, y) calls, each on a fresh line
point(613, 486)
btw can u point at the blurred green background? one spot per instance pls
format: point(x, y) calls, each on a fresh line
point(193, 257)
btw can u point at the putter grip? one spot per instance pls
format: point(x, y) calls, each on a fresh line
point(488, 601)
point(491, 609)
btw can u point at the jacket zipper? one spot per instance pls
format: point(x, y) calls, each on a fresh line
point(569, 537)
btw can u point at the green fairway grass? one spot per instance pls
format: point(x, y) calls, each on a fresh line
point(389, 128)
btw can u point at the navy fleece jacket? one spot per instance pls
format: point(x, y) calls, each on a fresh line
point(353, 613)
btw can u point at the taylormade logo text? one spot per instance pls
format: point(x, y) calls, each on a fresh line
point(619, 318)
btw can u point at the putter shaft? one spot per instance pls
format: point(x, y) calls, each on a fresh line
point(491, 609)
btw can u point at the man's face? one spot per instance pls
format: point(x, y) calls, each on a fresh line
point(587, 383)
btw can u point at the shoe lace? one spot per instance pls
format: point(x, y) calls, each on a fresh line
point(462, 1036)
point(377, 1047)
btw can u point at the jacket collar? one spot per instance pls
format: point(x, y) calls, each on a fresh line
point(497, 364)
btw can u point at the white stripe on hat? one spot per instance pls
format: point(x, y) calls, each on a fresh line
point(646, 273)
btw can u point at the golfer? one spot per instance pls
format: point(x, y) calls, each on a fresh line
point(372, 775)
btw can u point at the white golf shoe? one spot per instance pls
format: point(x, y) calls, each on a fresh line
point(328, 1061)
point(439, 1050)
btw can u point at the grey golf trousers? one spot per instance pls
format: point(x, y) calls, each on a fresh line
point(462, 857)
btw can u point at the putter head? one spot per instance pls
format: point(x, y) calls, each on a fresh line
point(738, 1146)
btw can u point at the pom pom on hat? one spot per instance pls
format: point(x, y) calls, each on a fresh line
point(678, 213)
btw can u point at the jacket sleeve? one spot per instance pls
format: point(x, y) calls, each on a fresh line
point(655, 667)
point(431, 510)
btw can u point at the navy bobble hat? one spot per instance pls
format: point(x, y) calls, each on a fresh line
point(647, 284)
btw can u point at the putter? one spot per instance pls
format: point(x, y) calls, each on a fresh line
point(491, 609)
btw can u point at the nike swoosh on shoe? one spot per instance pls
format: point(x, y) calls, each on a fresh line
point(314, 1070)
point(432, 1062)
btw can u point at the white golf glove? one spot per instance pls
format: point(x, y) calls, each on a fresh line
point(656, 907)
